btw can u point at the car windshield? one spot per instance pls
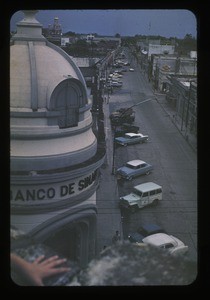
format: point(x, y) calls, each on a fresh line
point(129, 166)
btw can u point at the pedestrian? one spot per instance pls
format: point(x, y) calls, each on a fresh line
point(116, 237)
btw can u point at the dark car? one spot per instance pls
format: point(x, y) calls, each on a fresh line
point(125, 128)
point(144, 231)
point(148, 229)
point(130, 128)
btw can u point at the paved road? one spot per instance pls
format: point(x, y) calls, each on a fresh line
point(174, 161)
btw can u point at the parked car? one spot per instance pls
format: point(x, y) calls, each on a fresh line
point(144, 231)
point(125, 128)
point(133, 169)
point(156, 236)
point(148, 193)
point(148, 229)
point(131, 70)
point(119, 117)
point(117, 75)
point(130, 128)
point(131, 138)
point(116, 84)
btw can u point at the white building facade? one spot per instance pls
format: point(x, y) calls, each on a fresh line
point(55, 158)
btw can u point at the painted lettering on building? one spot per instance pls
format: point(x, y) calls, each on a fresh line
point(56, 191)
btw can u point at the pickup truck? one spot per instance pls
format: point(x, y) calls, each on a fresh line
point(123, 115)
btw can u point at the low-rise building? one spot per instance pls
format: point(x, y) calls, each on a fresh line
point(182, 96)
point(163, 65)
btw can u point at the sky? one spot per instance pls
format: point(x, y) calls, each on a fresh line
point(126, 22)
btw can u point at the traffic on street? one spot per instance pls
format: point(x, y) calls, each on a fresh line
point(174, 162)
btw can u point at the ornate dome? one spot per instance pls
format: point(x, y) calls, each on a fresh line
point(37, 67)
point(50, 110)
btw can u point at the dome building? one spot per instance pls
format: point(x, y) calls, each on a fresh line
point(55, 158)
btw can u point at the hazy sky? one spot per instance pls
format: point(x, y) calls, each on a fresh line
point(164, 22)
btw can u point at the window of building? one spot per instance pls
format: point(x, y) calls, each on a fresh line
point(67, 98)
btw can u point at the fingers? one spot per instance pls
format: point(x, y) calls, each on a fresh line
point(53, 261)
point(37, 260)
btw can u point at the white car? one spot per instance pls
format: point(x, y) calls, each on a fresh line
point(165, 241)
point(131, 70)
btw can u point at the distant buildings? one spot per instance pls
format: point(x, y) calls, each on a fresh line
point(173, 75)
point(54, 32)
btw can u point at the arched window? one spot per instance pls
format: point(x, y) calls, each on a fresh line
point(67, 98)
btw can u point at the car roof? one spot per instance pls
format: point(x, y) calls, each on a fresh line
point(150, 228)
point(147, 186)
point(135, 162)
point(133, 134)
point(159, 239)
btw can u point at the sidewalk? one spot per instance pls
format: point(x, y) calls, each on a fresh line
point(185, 132)
point(190, 138)
point(109, 216)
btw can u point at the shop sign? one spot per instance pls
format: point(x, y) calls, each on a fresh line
point(53, 192)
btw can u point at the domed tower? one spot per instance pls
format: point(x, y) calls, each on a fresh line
point(54, 153)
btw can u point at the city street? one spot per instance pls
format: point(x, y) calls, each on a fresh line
point(174, 161)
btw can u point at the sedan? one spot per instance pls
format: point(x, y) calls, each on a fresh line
point(148, 229)
point(159, 238)
point(133, 169)
point(131, 138)
point(131, 70)
point(116, 83)
point(125, 128)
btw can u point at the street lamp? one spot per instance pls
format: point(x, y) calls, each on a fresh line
point(122, 114)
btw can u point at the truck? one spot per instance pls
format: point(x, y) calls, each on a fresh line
point(142, 195)
point(122, 115)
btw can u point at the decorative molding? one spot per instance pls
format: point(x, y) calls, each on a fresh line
point(34, 85)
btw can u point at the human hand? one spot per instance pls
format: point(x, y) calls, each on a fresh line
point(39, 269)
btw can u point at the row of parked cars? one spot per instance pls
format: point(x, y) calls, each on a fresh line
point(148, 193)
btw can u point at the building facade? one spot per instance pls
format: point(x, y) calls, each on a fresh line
point(182, 96)
point(55, 158)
